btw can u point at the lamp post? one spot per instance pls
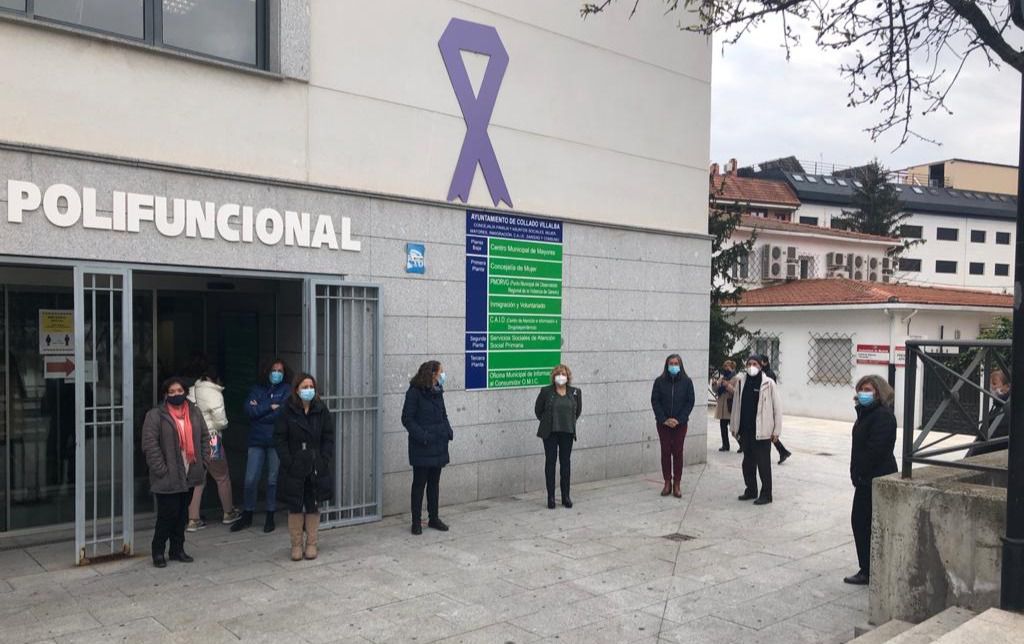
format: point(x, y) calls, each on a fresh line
point(1012, 586)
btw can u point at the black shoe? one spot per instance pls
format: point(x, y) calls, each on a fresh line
point(723, 449)
point(566, 501)
point(159, 561)
point(268, 523)
point(417, 528)
point(243, 523)
point(437, 524)
point(739, 451)
point(763, 500)
point(551, 503)
point(860, 579)
point(747, 496)
point(785, 455)
point(182, 556)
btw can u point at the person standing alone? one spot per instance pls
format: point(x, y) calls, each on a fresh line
point(672, 399)
point(558, 407)
point(756, 422)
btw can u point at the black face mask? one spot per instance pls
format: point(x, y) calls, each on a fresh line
point(175, 401)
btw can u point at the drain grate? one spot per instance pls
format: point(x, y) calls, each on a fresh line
point(679, 536)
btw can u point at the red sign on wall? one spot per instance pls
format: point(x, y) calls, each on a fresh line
point(878, 354)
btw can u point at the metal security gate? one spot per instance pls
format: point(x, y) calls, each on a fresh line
point(104, 502)
point(343, 351)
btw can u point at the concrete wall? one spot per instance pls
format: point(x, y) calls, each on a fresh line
point(602, 120)
point(963, 251)
point(935, 543)
point(864, 326)
point(971, 175)
point(631, 297)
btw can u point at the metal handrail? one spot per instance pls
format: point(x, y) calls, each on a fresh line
point(987, 352)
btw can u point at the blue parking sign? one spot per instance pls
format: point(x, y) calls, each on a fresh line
point(415, 258)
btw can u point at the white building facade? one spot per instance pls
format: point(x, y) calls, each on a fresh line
point(317, 180)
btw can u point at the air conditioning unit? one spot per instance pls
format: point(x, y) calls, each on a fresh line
point(872, 263)
point(887, 269)
point(792, 264)
point(772, 263)
point(835, 263)
point(840, 272)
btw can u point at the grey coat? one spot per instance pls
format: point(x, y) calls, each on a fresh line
point(163, 452)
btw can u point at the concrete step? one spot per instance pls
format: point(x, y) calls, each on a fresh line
point(883, 633)
point(935, 627)
point(994, 626)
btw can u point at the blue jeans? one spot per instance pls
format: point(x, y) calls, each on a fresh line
point(253, 472)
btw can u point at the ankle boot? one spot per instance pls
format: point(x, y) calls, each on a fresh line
point(665, 491)
point(243, 523)
point(268, 523)
point(295, 521)
point(312, 536)
point(676, 490)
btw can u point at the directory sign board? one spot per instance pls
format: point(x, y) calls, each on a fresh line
point(513, 300)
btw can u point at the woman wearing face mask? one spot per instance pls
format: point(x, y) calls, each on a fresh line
point(304, 436)
point(263, 407)
point(426, 419)
point(874, 438)
point(756, 423)
point(558, 407)
point(723, 401)
point(175, 441)
point(999, 414)
point(672, 399)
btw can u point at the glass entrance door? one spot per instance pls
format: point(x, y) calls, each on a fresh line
point(103, 375)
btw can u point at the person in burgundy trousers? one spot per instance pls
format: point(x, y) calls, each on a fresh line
point(672, 400)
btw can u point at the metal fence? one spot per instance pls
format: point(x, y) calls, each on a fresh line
point(957, 400)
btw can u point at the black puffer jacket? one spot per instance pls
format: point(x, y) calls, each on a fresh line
point(874, 438)
point(672, 397)
point(426, 420)
point(305, 445)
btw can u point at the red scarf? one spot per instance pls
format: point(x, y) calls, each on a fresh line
point(185, 438)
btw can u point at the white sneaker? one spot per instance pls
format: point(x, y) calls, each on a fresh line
point(195, 525)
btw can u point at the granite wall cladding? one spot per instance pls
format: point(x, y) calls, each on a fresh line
point(631, 298)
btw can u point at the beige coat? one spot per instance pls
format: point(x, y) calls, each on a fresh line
point(769, 408)
point(723, 403)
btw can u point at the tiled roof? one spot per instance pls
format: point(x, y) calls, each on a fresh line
point(746, 190)
point(766, 223)
point(825, 292)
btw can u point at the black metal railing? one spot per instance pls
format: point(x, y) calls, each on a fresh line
point(956, 400)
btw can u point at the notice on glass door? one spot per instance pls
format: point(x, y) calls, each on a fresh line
point(513, 300)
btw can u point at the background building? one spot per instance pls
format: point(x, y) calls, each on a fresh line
point(963, 174)
point(313, 146)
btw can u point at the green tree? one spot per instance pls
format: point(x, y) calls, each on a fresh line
point(876, 208)
point(726, 332)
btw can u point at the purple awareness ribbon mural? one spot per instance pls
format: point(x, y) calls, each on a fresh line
point(461, 35)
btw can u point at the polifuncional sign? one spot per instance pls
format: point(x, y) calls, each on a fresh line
point(513, 300)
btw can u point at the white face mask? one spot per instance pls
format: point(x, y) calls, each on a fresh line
point(753, 371)
point(561, 379)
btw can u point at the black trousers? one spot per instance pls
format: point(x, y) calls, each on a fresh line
point(723, 425)
point(860, 520)
point(171, 518)
point(757, 460)
point(430, 478)
point(558, 446)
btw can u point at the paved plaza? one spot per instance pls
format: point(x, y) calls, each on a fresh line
point(623, 565)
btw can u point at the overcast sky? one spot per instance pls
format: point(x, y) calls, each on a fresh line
point(764, 107)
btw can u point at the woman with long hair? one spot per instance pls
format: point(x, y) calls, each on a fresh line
point(558, 406)
point(304, 439)
point(175, 441)
point(672, 399)
point(723, 401)
point(426, 419)
point(874, 439)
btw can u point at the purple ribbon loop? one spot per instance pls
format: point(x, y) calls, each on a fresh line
point(477, 109)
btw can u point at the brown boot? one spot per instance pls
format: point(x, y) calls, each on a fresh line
point(665, 491)
point(295, 532)
point(312, 527)
point(676, 492)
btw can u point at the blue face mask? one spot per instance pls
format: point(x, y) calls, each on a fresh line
point(442, 378)
point(674, 369)
point(276, 377)
point(307, 395)
point(865, 398)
